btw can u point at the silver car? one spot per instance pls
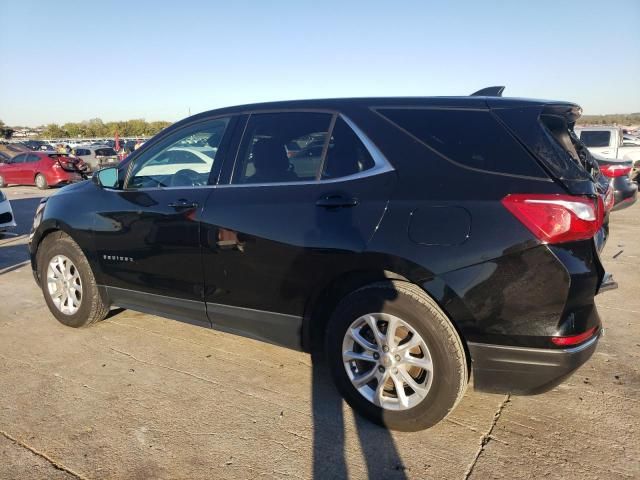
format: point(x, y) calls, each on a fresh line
point(96, 157)
point(7, 219)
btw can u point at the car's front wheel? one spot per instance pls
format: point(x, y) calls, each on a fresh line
point(67, 282)
point(395, 356)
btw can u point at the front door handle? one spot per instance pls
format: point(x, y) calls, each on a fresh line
point(182, 204)
point(337, 201)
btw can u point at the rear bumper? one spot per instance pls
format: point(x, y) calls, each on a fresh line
point(625, 193)
point(64, 177)
point(527, 371)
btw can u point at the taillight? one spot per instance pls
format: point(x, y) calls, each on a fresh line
point(613, 171)
point(66, 165)
point(574, 339)
point(609, 199)
point(557, 218)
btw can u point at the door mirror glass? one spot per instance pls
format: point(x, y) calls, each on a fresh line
point(107, 177)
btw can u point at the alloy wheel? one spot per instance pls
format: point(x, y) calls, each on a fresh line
point(64, 284)
point(387, 361)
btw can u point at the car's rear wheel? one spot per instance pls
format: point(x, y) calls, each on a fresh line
point(395, 356)
point(41, 182)
point(67, 282)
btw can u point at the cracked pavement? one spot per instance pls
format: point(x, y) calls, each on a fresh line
point(139, 396)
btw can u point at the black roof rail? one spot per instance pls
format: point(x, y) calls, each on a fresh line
point(489, 92)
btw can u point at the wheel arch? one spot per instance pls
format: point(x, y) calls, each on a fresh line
point(50, 227)
point(321, 305)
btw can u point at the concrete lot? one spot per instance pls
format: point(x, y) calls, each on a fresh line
point(138, 396)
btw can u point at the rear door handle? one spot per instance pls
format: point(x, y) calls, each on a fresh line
point(336, 201)
point(182, 204)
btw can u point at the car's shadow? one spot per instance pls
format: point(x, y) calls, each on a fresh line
point(329, 443)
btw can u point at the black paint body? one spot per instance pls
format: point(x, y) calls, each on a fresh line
point(267, 262)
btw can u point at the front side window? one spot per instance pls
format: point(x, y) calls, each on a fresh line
point(595, 138)
point(19, 159)
point(282, 147)
point(184, 159)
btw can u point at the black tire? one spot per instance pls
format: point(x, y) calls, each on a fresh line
point(2, 184)
point(41, 182)
point(93, 306)
point(413, 306)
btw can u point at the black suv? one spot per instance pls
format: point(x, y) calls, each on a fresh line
point(417, 239)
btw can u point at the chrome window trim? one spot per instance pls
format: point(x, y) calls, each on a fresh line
point(381, 164)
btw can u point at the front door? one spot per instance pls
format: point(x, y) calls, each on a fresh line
point(301, 201)
point(12, 172)
point(147, 234)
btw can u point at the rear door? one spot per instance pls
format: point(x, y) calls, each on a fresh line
point(31, 168)
point(284, 218)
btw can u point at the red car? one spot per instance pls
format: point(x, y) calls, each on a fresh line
point(43, 169)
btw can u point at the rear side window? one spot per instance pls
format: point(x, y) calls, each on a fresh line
point(595, 138)
point(470, 138)
point(82, 152)
point(282, 147)
point(33, 158)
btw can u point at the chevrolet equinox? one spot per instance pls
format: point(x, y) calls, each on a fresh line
point(417, 240)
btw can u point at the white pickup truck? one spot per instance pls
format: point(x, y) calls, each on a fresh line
point(609, 143)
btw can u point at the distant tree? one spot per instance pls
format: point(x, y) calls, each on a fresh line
point(610, 119)
point(96, 128)
point(5, 132)
point(53, 130)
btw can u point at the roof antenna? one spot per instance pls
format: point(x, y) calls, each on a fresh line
point(489, 92)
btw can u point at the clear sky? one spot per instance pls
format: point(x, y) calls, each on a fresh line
point(66, 60)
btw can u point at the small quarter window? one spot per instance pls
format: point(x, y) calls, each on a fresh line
point(346, 154)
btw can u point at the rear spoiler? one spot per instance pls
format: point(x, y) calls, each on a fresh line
point(570, 112)
point(488, 92)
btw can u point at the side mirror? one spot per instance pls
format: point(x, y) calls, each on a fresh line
point(107, 177)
